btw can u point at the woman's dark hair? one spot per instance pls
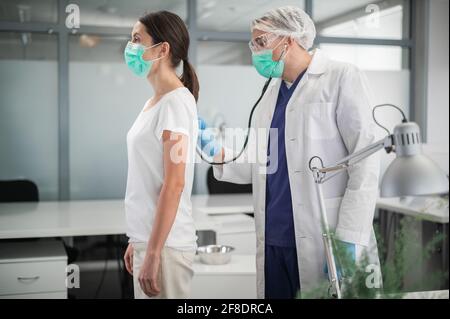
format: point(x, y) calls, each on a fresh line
point(164, 26)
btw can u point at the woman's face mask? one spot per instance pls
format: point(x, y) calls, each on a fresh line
point(266, 66)
point(133, 55)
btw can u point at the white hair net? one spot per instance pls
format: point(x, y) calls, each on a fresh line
point(290, 22)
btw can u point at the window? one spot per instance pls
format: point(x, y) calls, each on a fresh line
point(235, 15)
point(362, 19)
point(105, 99)
point(29, 11)
point(119, 13)
point(378, 23)
point(223, 53)
point(97, 48)
point(29, 110)
point(369, 57)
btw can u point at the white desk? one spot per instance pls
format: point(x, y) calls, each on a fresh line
point(61, 219)
point(431, 208)
point(430, 219)
point(223, 204)
point(107, 217)
point(219, 213)
point(236, 280)
point(439, 294)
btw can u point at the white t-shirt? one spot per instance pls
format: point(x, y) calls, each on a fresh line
point(176, 112)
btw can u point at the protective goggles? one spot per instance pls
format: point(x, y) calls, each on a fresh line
point(262, 42)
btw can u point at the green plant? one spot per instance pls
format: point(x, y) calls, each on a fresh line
point(407, 258)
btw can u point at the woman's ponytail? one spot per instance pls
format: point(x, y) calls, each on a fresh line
point(189, 78)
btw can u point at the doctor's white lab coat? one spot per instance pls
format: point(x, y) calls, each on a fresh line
point(328, 115)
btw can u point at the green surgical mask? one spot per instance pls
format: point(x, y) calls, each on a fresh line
point(266, 66)
point(133, 55)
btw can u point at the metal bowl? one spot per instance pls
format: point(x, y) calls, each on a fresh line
point(215, 254)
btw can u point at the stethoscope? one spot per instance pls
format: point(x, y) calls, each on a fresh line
point(250, 119)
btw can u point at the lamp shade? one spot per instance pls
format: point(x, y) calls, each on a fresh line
point(412, 173)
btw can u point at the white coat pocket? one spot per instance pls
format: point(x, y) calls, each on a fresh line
point(320, 121)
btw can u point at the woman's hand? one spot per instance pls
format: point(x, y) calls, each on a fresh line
point(128, 258)
point(149, 275)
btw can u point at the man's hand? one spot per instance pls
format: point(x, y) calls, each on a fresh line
point(350, 250)
point(206, 139)
point(149, 278)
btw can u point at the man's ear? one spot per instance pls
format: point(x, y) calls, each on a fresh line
point(290, 41)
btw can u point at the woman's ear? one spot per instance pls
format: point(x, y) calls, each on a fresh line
point(165, 49)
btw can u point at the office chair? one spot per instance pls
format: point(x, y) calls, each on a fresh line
point(21, 190)
point(217, 187)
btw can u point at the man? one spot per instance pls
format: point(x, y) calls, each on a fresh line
point(318, 107)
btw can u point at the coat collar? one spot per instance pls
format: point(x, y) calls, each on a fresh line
point(319, 63)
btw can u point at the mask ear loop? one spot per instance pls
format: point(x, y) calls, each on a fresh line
point(284, 53)
point(154, 46)
point(282, 56)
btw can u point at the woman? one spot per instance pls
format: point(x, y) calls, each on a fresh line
point(161, 147)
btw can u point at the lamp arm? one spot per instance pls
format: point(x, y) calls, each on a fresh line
point(320, 178)
point(352, 159)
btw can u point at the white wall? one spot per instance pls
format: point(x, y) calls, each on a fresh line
point(438, 74)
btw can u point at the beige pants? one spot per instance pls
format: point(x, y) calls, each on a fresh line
point(175, 272)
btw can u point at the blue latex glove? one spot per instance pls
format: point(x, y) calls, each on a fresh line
point(206, 139)
point(351, 250)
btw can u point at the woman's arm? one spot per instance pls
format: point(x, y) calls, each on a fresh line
point(175, 147)
point(175, 150)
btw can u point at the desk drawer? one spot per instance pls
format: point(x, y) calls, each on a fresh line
point(32, 277)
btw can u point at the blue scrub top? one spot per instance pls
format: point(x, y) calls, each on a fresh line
point(279, 213)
